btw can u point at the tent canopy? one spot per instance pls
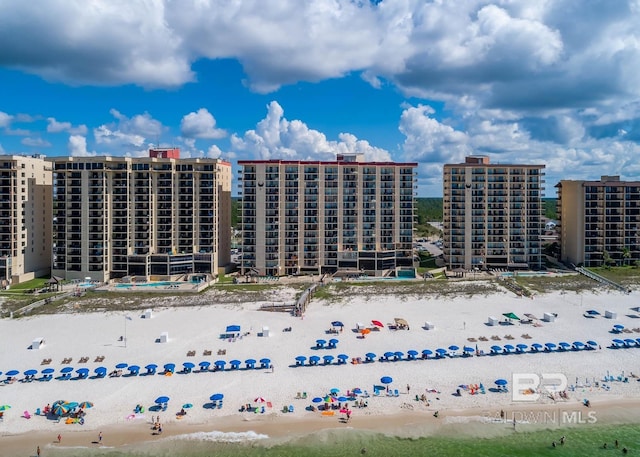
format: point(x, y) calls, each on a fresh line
point(511, 316)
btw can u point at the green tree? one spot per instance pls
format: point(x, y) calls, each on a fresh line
point(626, 255)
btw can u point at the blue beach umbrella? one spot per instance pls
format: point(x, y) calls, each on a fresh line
point(251, 361)
point(537, 346)
point(122, 365)
point(188, 365)
point(522, 346)
point(12, 373)
point(501, 382)
point(328, 358)
point(412, 353)
point(509, 347)
point(265, 360)
point(441, 351)
point(317, 400)
point(550, 346)
point(453, 347)
point(216, 397)
point(333, 341)
point(47, 371)
point(564, 344)
point(386, 380)
point(321, 342)
point(100, 371)
point(314, 359)
point(343, 356)
point(82, 371)
point(170, 367)
point(204, 365)
point(220, 363)
point(578, 344)
point(618, 342)
point(300, 359)
point(468, 349)
point(370, 356)
point(398, 354)
point(427, 352)
point(65, 370)
point(334, 390)
point(630, 342)
point(388, 354)
point(496, 348)
point(134, 369)
point(162, 399)
point(619, 327)
point(31, 372)
point(343, 399)
point(592, 343)
point(337, 324)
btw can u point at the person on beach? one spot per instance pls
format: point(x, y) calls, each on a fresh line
point(38, 451)
point(59, 437)
point(100, 437)
point(408, 389)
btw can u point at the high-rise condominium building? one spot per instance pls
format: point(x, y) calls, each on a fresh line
point(492, 215)
point(156, 217)
point(25, 218)
point(324, 217)
point(599, 221)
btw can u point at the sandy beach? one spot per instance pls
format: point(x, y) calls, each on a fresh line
point(456, 321)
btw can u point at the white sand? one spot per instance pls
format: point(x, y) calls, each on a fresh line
point(92, 334)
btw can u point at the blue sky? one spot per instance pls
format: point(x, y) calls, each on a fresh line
point(553, 82)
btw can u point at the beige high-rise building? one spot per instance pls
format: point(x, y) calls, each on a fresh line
point(346, 216)
point(25, 218)
point(599, 220)
point(157, 217)
point(492, 215)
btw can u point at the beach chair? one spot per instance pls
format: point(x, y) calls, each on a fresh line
point(26, 415)
point(262, 410)
point(396, 393)
point(290, 408)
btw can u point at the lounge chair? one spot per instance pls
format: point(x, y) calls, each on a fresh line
point(206, 352)
point(290, 408)
point(191, 353)
point(285, 409)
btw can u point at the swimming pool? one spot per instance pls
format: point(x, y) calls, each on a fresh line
point(149, 284)
point(526, 273)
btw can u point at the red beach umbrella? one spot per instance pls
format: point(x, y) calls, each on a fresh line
point(377, 323)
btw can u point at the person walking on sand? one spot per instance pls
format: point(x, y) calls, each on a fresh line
point(100, 437)
point(38, 451)
point(59, 438)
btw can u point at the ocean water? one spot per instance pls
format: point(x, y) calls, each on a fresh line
point(587, 440)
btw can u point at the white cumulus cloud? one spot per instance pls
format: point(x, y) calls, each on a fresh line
point(201, 124)
point(275, 137)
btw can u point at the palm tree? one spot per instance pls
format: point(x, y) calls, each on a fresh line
point(626, 255)
point(606, 258)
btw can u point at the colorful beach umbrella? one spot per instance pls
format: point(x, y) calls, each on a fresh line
point(60, 409)
point(85, 405)
point(5, 407)
point(511, 316)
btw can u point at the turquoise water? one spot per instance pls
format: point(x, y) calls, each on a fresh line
point(526, 273)
point(147, 284)
point(587, 440)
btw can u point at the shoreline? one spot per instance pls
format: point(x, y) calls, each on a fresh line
point(273, 430)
